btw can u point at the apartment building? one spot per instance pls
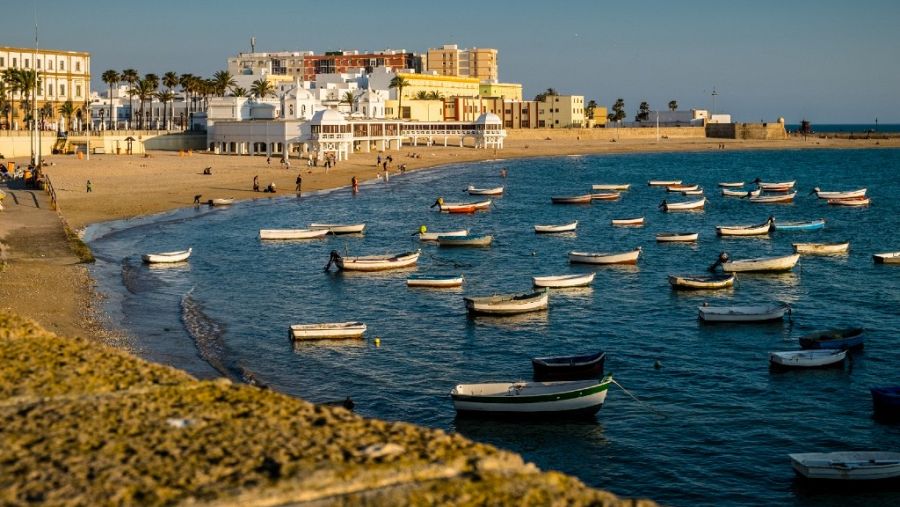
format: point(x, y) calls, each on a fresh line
point(449, 60)
point(561, 111)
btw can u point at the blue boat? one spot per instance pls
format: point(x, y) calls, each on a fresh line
point(813, 225)
point(886, 402)
point(834, 339)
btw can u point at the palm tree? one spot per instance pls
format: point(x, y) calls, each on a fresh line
point(165, 97)
point(422, 95)
point(223, 81)
point(24, 82)
point(237, 91)
point(67, 109)
point(4, 101)
point(673, 105)
point(399, 82)
point(47, 110)
point(153, 81)
point(591, 105)
point(434, 96)
point(348, 99)
point(185, 81)
point(144, 90)
point(131, 77)
point(262, 88)
point(170, 80)
point(111, 78)
point(549, 92)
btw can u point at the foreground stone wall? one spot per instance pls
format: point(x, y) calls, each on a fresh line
point(608, 133)
point(85, 424)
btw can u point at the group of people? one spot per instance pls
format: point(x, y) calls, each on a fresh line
point(414, 155)
point(270, 188)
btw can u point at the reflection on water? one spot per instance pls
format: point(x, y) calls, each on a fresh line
point(520, 321)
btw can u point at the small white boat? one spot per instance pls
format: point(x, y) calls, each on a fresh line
point(549, 229)
point(630, 257)
point(606, 196)
point(755, 313)
point(762, 264)
point(732, 184)
point(851, 202)
point(663, 183)
point(485, 240)
point(433, 236)
point(377, 262)
point(741, 193)
point(701, 282)
point(563, 398)
point(850, 194)
point(628, 222)
point(509, 304)
point(480, 205)
point(617, 187)
point(814, 358)
point(887, 258)
point(773, 199)
point(699, 191)
point(437, 281)
point(822, 248)
point(681, 188)
point(677, 237)
point(745, 230)
point(847, 466)
point(167, 257)
point(221, 201)
point(782, 186)
point(340, 228)
point(328, 331)
point(484, 191)
point(292, 233)
point(564, 281)
point(572, 199)
point(682, 206)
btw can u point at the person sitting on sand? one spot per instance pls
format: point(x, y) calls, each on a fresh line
point(207, 171)
point(270, 188)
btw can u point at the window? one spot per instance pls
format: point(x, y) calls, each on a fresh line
point(38, 63)
point(78, 90)
point(62, 65)
point(2, 62)
point(49, 90)
point(77, 66)
point(27, 63)
point(49, 64)
point(62, 89)
point(15, 62)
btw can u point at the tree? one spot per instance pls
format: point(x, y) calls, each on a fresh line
point(434, 96)
point(261, 88)
point(422, 95)
point(23, 81)
point(186, 82)
point(348, 99)
point(144, 89)
point(618, 113)
point(4, 101)
point(643, 112)
point(399, 82)
point(237, 91)
point(153, 82)
point(131, 77)
point(591, 106)
point(170, 81)
point(67, 109)
point(164, 97)
point(549, 92)
point(223, 81)
point(111, 78)
point(673, 105)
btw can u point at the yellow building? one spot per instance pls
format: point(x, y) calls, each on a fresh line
point(599, 117)
point(449, 60)
point(443, 86)
point(63, 76)
point(561, 111)
point(506, 91)
point(415, 109)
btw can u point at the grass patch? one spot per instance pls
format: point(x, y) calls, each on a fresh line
point(79, 247)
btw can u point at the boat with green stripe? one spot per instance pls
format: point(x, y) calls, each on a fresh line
point(531, 399)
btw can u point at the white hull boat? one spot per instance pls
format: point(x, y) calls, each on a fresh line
point(783, 186)
point(851, 194)
point(677, 237)
point(378, 262)
point(606, 196)
point(484, 191)
point(693, 192)
point(732, 184)
point(167, 257)
point(286, 234)
point(853, 202)
point(822, 248)
point(847, 466)
point(436, 281)
point(682, 188)
point(683, 206)
point(221, 202)
point(628, 222)
point(550, 229)
point(328, 331)
point(773, 199)
point(563, 281)
point(510, 304)
point(612, 186)
point(564, 398)
point(433, 236)
point(605, 258)
point(741, 193)
point(815, 358)
point(887, 258)
point(663, 183)
point(745, 230)
point(756, 313)
point(465, 240)
point(480, 205)
point(701, 282)
point(340, 228)
point(762, 264)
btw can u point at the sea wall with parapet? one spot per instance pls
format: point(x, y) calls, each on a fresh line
point(608, 133)
point(747, 131)
point(87, 424)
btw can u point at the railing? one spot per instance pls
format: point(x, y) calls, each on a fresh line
point(48, 187)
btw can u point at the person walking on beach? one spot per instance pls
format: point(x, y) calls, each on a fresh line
point(268, 160)
point(355, 183)
point(256, 183)
point(299, 183)
point(90, 187)
point(378, 161)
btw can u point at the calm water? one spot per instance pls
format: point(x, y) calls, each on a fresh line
point(715, 426)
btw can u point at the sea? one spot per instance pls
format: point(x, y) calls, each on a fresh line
point(699, 417)
point(849, 128)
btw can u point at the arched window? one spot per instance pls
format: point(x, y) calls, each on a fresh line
point(291, 109)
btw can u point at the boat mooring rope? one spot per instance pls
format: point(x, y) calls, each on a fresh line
point(635, 398)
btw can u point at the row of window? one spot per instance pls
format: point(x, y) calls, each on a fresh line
point(27, 64)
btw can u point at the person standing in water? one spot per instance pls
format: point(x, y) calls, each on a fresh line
point(355, 183)
point(299, 183)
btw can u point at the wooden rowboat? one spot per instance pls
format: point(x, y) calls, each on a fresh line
point(572, 199)
point(850, 194)
point(754, 313)
point(701, 282)
point(681, 188)
point(618, 187)
point(628, 222)
point(581, 367)
point(377, 262)
point(167, 257)
point(484, 191)
point(508, 304)
point(433, 236)
point(485, 240)
point(563, 281)
point(663, 183)
point(807, 358)
point(822, 248)
point(438, 281)
point(606, 196)
point(535, 399)
point(221, 201)
point(340, 228)
point(699, 191)
point(762, 264)
point(677, 237)
point(630, 257)
point(480, 205)
point(741, 193)
point(459, 208)
point(682, 206)
point(847, 466)
point(773, 199)
point(849, 338)
point(887, 258)
point(550, 229)
point(734, 184)
point(745, 230)
point(812, 225)
point(783, 186)
point(853, 202)
point(326, 331)
point(286, 234)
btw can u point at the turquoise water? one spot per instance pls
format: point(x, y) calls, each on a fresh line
point(714, 425)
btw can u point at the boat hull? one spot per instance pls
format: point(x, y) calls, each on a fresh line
point(462, 241)
point(887, 258)
point(327, 331)
point(167, 257)
point(670, 207)
point(606, 196)
point(605, 258)
point(843, 339)
point(821, 248)
point(762, 265)
point(807, 359)
point(734, 184)
point(485, 191)
point(741, 193)
point(508, 305)
point(288, 234)
point(568, 367)
point(564, 281)
point(552, 229)
point(842, 195)
point(739, 314)
point(613, 187)
point(713, 282)
point(886, 402)
point(378, 262)
point(743, 230)
point(435, 282)
point(582, 401)
point(813, 225)
point(663, 183)
point(628, 222)
point(773, 199)
point(847, 466)
point(340, 228)
point(575, 199)
point(677, 237)
point(433, 236)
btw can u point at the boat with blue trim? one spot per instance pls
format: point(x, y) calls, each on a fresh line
point(849, 338)
point(583, 367)
point(810, 225)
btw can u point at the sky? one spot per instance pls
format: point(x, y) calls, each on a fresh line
point(825, 61)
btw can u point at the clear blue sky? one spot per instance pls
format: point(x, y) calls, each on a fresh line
point(827, 61)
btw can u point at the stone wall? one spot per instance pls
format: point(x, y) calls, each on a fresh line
point(608, 133)
point(17, 143)
point(112, 143)
point(748, 131)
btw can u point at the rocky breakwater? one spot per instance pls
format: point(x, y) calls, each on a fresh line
point(87, 424)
